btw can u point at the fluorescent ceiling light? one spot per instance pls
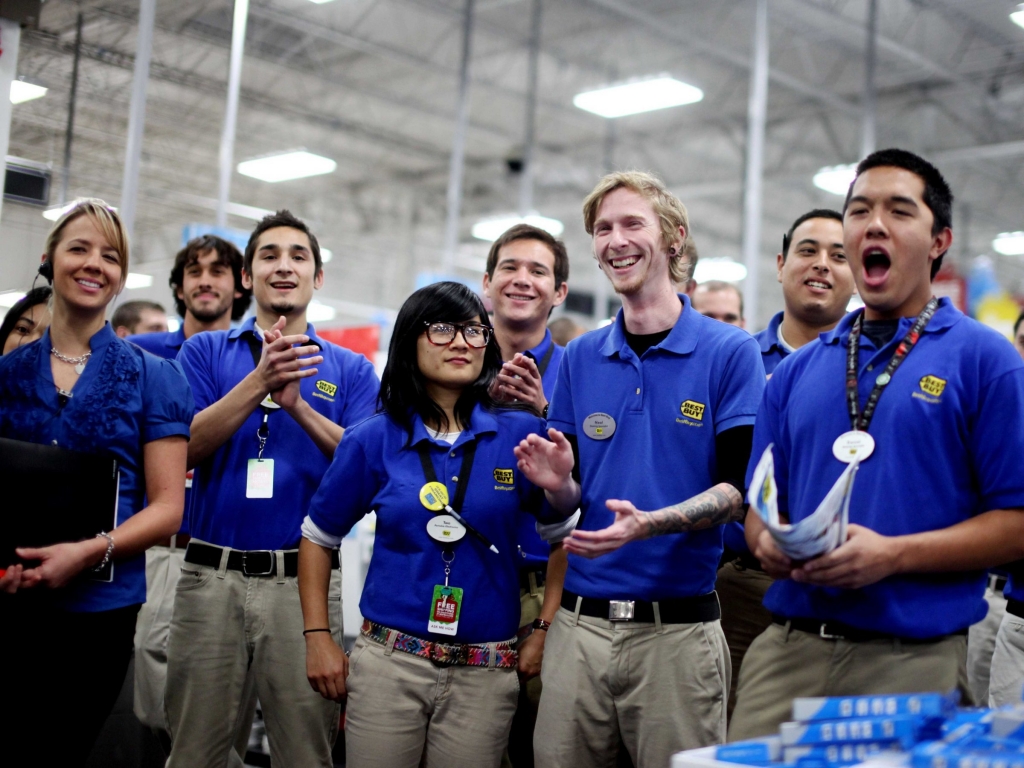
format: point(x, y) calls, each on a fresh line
point(719, 269)
point(326, 254)
point(10, 298)
point(286, 166)
point(138, 280)
point(321, 2)
point(835, 178)
point(22, 91)
point(317, 312)
point(637, 96)
point(173, 324)
point(491, 228)
point(1017, 16)
point(855, 302)
point(1009, 243)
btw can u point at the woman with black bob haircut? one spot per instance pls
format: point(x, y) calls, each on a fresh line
point(441, 599)
point(26, 321)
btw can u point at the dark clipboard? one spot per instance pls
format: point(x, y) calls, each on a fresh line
point(66, 496)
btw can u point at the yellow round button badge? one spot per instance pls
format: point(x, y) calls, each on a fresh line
point(434, 496)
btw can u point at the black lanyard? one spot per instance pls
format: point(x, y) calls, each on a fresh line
point(468, 454)
point(860, 421)
point(542, 365)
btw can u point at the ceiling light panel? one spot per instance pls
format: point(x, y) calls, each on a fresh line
point(726, 270)
point(286, 166)
point(492, 227)
point(638, 96)
point(1009, 243)
point(22, 91)
point(836, 178)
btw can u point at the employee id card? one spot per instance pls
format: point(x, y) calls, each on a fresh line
point(445, 609)
point(259, 479)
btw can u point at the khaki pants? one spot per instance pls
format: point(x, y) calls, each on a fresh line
point(661, 687)
point(783, 664)
point(163, 567)
point(741, 592)
point(1007, 663)
point(404, 711)
point(226, 627)
point(981, 644)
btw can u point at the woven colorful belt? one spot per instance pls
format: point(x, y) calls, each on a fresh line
point(444, 654)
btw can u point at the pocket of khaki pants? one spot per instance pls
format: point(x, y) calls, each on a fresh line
point(192, 577)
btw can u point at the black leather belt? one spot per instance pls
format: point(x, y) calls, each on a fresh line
point(996, 582)
point(255, 562)
point(540, 577)
point(677, 610)
point(1016, 607)
point(837, 630)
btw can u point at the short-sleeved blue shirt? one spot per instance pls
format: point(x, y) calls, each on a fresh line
point(167, 345)
point(533, 550)
point(948, 442)
point(344, 390)
point(772, 353)
point(668, 406)
point(377, 467)
point(124, 399)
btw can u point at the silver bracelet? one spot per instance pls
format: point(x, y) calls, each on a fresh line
point(108, 553)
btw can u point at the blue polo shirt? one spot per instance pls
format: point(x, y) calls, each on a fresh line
point(533, 550)
point(948, 441)
point(772, 353)
point(377, 467)
point(344, 390)
point(123, 400)
point(165, 345)
point(703, 378)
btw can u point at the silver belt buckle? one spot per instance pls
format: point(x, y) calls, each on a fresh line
point(620, 610)
point(268, 570)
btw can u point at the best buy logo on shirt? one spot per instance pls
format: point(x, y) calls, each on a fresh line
point(503, 476)
point(327, 388)
point(691, 409)
point(932, 385)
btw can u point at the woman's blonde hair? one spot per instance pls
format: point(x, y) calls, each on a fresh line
point(670, 211)
point(107, 222)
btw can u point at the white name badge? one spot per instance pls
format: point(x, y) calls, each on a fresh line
point(853, 445)
point(259, 479)
point(599, 426)
point(445, 528)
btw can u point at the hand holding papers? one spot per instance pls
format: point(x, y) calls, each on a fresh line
point(816, 535)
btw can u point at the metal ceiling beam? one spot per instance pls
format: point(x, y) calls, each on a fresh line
point(675, 34)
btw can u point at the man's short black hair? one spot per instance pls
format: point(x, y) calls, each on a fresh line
point(283, 218)
point(1016, 325)
point(817, 213)
point(937, 194)
point(227, 255)
point(130, 313)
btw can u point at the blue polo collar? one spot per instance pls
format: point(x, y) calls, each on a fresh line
point(480, 422)
point(681, 340)
point(177, 338)
point(769, 338)
point(538, 352)
point(946, 316)
point(249, 326)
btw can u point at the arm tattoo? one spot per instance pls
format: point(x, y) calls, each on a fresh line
point(717, 505)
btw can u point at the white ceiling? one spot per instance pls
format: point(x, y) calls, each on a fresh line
point(373, 84)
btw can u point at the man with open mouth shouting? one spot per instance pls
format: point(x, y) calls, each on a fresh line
point(923, 396)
